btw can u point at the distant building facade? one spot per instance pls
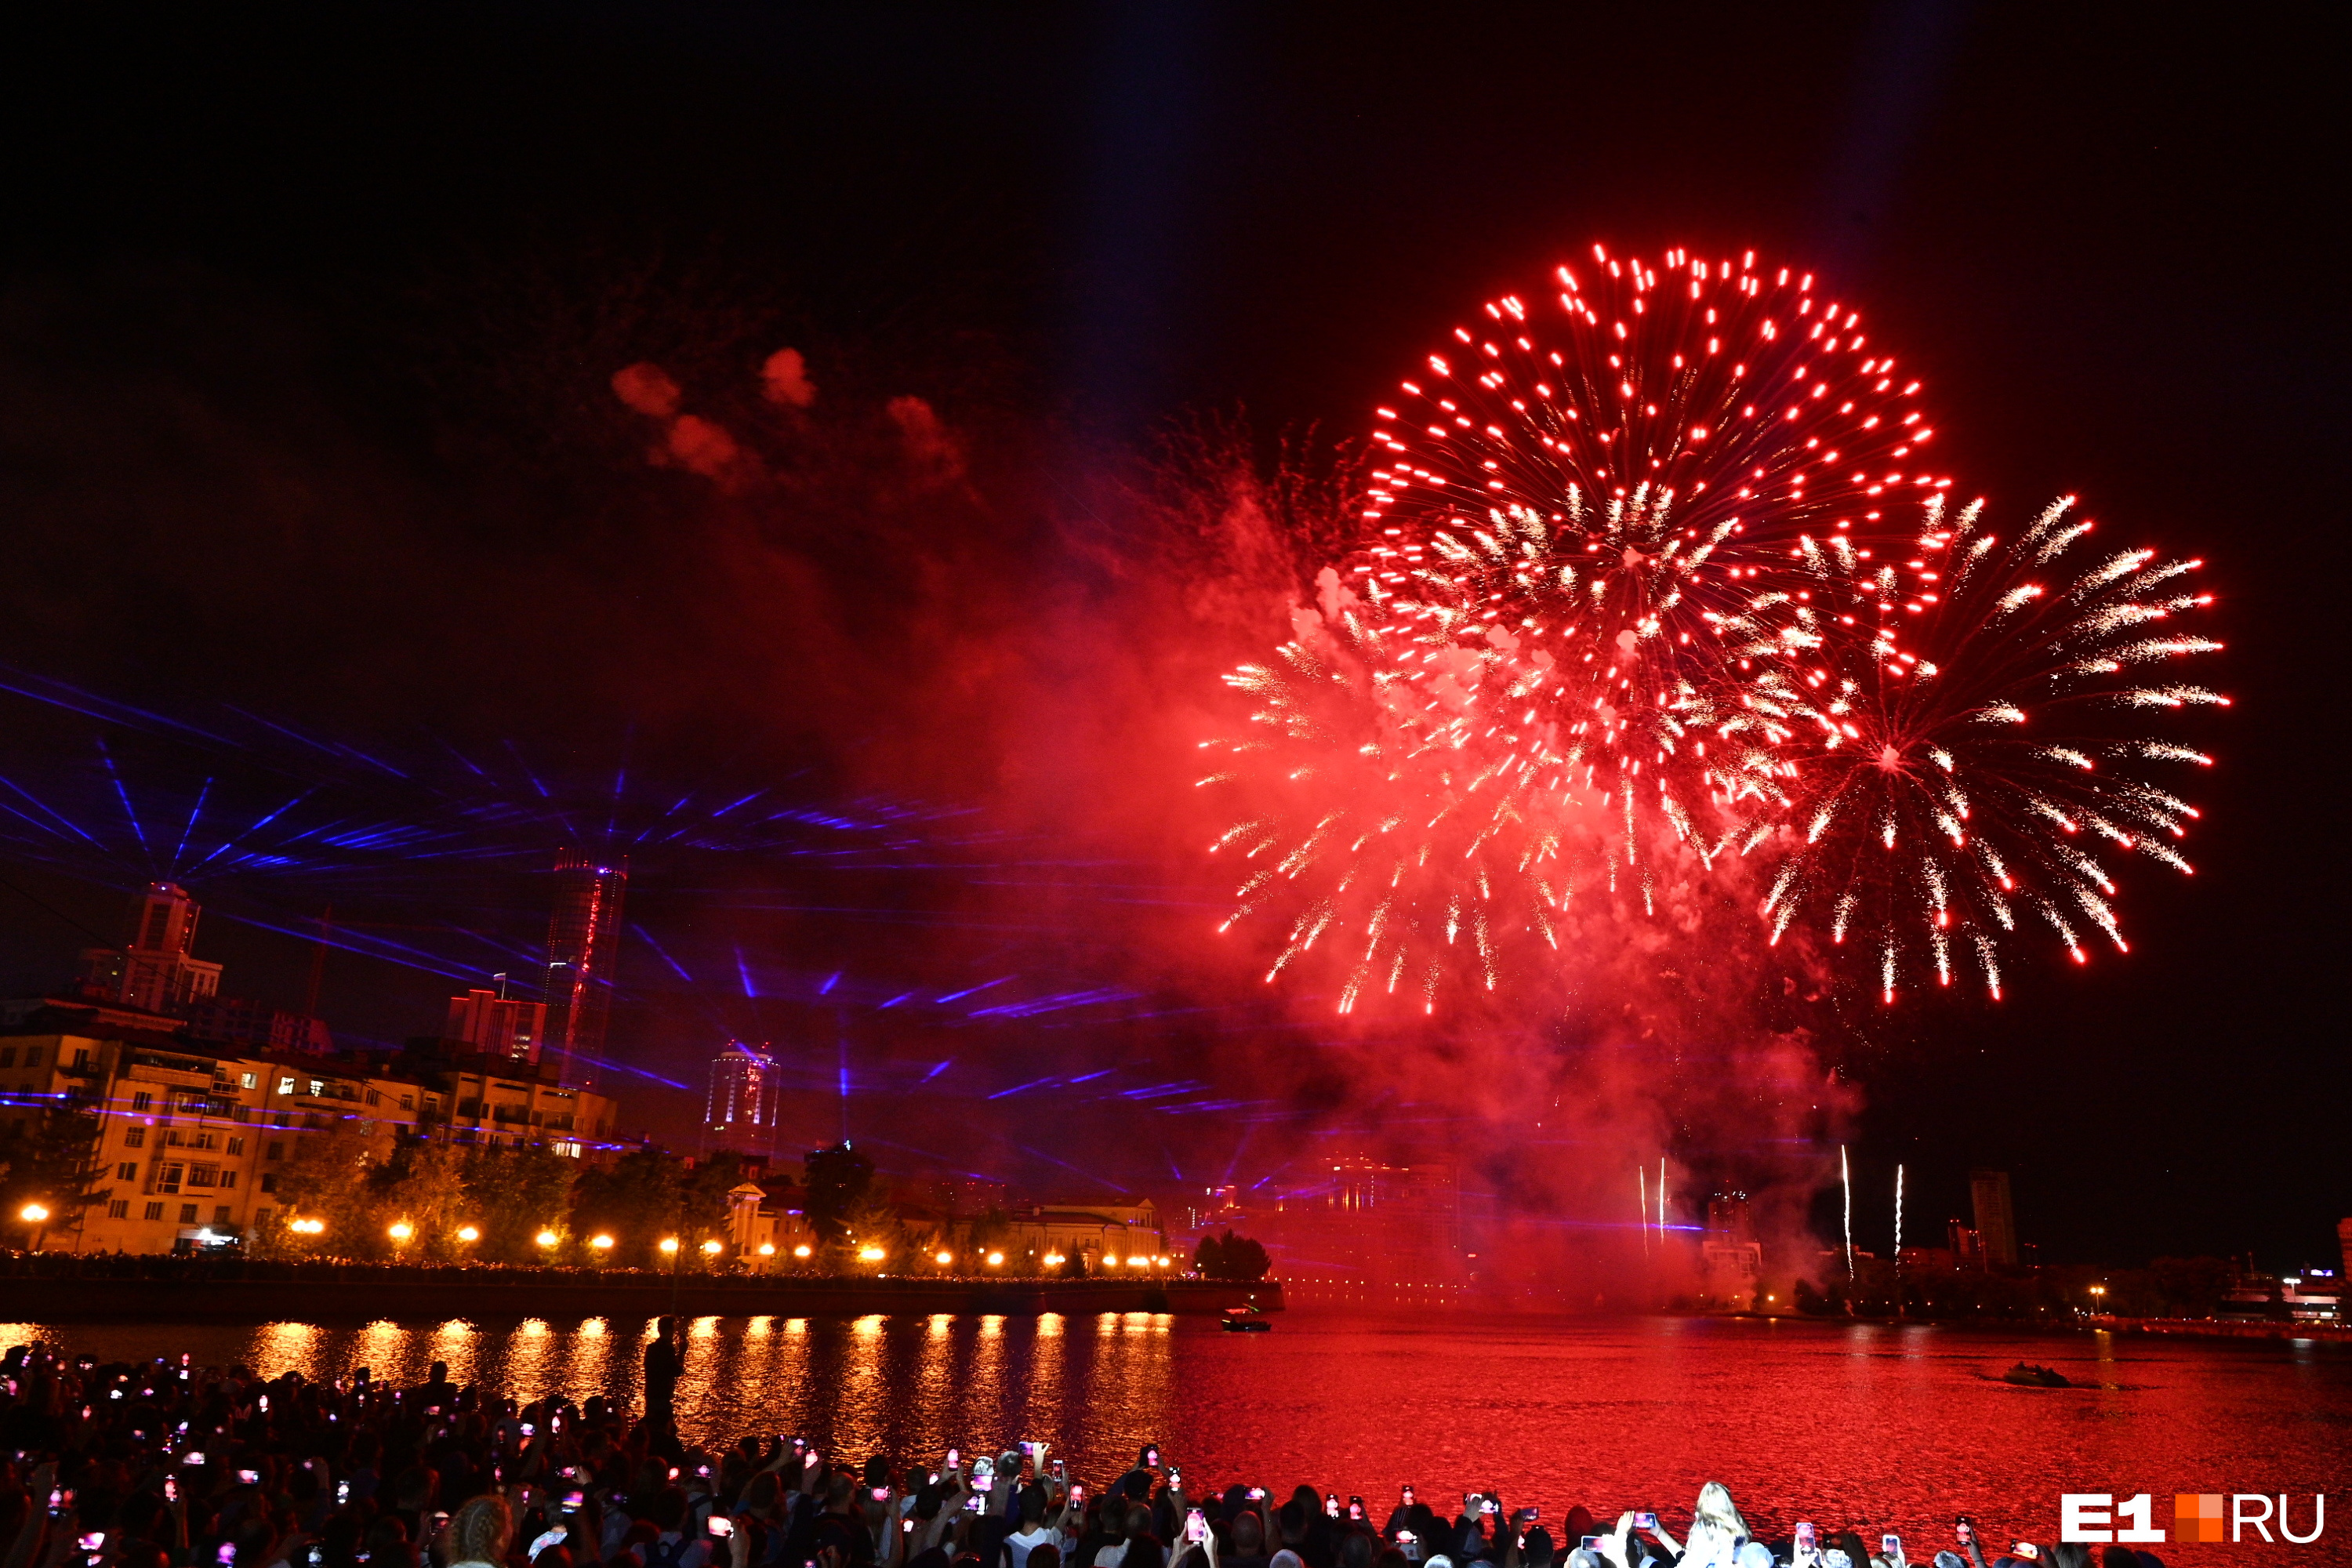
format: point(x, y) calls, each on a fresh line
point(1996, 1220)
point(230, 1020)
point(583, 948)
point(496, 1025)
point(155, 971)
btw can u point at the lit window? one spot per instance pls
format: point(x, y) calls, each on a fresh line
point(249, 1079)
point(285, 1086)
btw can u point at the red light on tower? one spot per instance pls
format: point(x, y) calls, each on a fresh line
point(583, 946)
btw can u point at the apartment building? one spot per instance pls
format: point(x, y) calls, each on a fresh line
point(191, 1133)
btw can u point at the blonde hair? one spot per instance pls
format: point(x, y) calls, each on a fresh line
point(480, 1531)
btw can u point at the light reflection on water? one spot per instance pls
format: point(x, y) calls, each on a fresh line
point(1881, 1426)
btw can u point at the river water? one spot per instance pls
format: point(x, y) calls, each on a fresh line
point(1876, 1426)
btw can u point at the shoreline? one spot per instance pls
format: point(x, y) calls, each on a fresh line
point(359, 1294)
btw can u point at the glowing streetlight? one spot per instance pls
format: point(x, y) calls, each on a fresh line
point(669, 1244)
point(767, 1249)
point(1054, 1260)
point(306, 1226)
point(547, 1238)
point(802, 1250)
point(711, 1249)
point(34, 1214)
point(871, 1254)
point(1109, 1262)
point(1139, 1263)
point(943, 1258)
point(468, 1232)
point(601, 1243)
point(996, 1260)
point(400, 1230)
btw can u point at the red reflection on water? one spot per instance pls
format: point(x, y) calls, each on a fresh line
point(1876, 1426)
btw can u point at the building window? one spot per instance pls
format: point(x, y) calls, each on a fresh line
point(237, 1145)
point(119, 1209)
point(7, 1056)
point(142, 1100)
point(220, 1214)
point(205, 1140)
point(203, 1176)
point(82, 1058)
point(374, 1098)
point(127, 1172)
point(268, 1183)
point(276, 1151)
point(318, 1087)
point(249, 1079)
point(260, 1218)
point(228, 1180)
point(187, 1213)
point(167, 1177)
point(32, 1056)
point(407, 1102)
point(154, 1211)
point(134, 1137)
point(285, 1086)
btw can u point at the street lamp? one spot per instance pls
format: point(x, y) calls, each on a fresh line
point(601, 1243)
point(802, 1250)
point(871, 1254)
point(712, 1249)
point(34, 1214)
point(943, 1258)
point(669, 1244)
point(767, 1249)
point(996, 1260)
point(400, 1230)
point(468, 1232)
point(547, 1238)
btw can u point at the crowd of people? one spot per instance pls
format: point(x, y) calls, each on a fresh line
point(164, 1464)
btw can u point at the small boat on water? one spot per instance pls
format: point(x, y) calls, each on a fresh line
point(2035, 1377)
point(1245, 1321)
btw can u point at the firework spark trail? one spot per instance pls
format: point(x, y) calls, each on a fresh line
point(1953, 794)
point(1580, 629)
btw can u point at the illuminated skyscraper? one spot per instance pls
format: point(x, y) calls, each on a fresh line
point(154, 970)
point(583, 946)
point(741, 1113)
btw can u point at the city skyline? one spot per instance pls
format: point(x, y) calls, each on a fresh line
point(834, 483)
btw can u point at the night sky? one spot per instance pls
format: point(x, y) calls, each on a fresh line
point(314, 483)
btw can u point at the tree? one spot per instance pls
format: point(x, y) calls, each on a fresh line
point(838, 1179)
point(1233, 1257)
point(53, 1163)
point(421, 1184)
point(636, 1200)
point(2190, 1287)
point(325, 1178)
point(513, 1194)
